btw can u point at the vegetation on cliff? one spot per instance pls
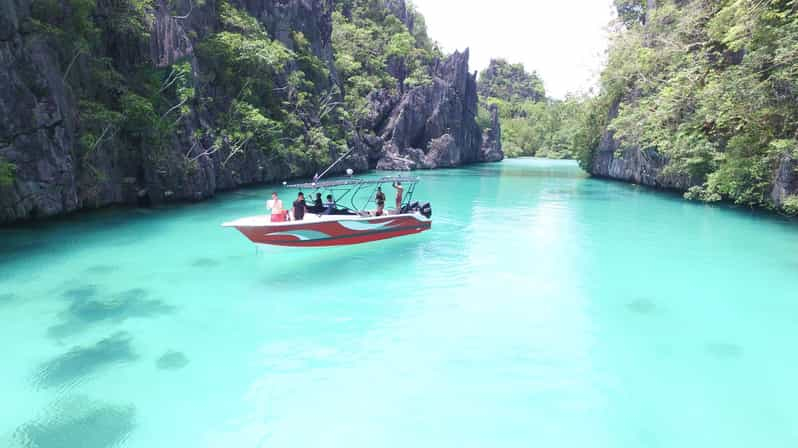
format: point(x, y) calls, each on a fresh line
point(375, 49)
point(272, 97)
point(148, 101)
point(264, 94)
point(712, 87)
point(532, 124)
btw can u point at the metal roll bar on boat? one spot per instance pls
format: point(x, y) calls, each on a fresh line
point(352, 187)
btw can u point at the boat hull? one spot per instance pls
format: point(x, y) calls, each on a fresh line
point(332, 231)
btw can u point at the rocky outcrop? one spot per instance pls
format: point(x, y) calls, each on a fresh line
point(492, 138)
point(641, 166)
point(431, 126)
point(648, 167)
point(42, 122)
point(283, 18)
point(170, 41)
point(399, 9)
point(40, 118)
point(785, 182)
point(36, 123)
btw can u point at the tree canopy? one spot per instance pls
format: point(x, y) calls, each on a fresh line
point(713, 86)
point(532, 125)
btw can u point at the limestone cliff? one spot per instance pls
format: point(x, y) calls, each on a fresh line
point(717, 120)
point(431, 126)
point(131, 104)
point(641, 166)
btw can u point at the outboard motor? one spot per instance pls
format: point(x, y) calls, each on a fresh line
point(409, 208)
point(426, 210)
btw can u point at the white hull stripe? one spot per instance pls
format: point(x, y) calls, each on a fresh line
point(360, 226)
point(302, 235)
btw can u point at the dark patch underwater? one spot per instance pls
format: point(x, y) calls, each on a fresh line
point(79, 423)
point(81, 362)
point(172, 360)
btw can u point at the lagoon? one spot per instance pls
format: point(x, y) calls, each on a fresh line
point(544, 308)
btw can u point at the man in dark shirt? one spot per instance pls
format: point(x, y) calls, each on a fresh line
point(299, 207)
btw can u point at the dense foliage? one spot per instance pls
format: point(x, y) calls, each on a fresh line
point(711, 85)
point(376, 50)
point(510, 82)
point(273, 98)
point(121, 103)
point(532, 125)
point(244, 90)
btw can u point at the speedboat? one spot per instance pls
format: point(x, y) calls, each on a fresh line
point(342, 225)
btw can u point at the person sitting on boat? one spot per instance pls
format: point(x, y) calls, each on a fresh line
point(300, 207)
point(380, 198)
point(329, 206)
point(318, 205)
point(399, 192)
point(276, 206)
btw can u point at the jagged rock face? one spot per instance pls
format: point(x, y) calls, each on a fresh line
point(36, 123)
point(282, 18)
point(646, 167)
point(492, 138)
point(399, 9)
point(785, 182)
point(641, 166)
point(170, 41)
point(434, 126)
point(39, 114)
point(425, 127)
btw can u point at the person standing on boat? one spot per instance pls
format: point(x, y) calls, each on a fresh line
point(399, 193)
point(276, 206)
point(380, 198)
point(300, 207)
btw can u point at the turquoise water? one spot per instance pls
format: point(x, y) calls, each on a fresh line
point(543, 309)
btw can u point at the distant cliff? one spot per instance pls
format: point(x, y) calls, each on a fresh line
point(146, 101)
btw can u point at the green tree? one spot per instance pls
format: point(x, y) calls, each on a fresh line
point(713, 87)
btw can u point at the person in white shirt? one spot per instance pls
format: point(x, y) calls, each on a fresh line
point(276, 206)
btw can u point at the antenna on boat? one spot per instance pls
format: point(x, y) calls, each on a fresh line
point(318, 176)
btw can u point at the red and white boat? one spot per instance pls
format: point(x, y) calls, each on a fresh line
point(342, 225)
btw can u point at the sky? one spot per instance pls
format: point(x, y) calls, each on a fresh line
point(564, 41)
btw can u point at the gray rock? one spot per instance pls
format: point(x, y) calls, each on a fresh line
point(399, 9)
point(440, 118)
point(785, 181)
point(443, 152)
point(424, 127)
point(39, 116)
point(638, 165)
point(36, 124)
point(647, 167)
point(491, 150)
point(170, 41)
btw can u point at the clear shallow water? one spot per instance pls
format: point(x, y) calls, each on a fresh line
point(543, 309)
